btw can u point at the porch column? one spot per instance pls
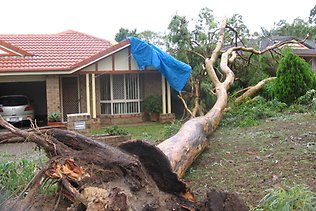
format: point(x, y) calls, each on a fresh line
point(163, 93)
point(88, 93)
point(168, 98)
point(94, 103)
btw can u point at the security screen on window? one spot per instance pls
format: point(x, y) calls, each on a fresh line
point(121, 94)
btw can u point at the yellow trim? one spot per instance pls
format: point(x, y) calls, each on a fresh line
point(169, 98)
point(88, 94)
point(94, 103)
point(163, 92)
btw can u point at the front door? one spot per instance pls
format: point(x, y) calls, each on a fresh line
point(70, 95)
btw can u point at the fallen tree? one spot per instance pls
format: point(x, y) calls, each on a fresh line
point(136, 175)
point(182, 148)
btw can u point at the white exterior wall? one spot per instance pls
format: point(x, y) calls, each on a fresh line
point(134, 65)
point(121, 63)
point(105, 64)
point(90, 68)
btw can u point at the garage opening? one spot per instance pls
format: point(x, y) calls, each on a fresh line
point(35, 91)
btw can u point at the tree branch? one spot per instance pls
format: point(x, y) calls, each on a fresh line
point(184, 104)
point(253, 90)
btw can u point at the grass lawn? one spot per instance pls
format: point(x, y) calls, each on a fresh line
point(279, 152)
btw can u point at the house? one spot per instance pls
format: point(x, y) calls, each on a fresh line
point(306, 49)
point(72, 72)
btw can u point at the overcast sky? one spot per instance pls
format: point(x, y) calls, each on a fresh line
point(103, 18)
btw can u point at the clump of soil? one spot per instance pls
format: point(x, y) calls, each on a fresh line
point(280, 151)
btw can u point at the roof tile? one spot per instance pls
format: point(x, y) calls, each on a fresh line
point(50, 52)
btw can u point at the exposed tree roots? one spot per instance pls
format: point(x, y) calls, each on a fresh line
point(94, 176)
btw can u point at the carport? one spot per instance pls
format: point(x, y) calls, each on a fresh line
point(34, 88)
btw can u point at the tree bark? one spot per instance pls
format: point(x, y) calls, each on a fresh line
point(253, 90)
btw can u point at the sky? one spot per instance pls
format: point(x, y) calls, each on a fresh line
point(104, 18)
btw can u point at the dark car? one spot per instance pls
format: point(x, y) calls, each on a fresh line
point(16, 108)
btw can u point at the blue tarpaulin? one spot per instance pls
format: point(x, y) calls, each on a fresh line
point(146, 54)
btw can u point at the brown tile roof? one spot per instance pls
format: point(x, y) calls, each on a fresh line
point(51, 52)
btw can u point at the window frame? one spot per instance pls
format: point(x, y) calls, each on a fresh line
point(125, 101)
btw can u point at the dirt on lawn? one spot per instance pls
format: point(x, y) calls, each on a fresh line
point(249, 161)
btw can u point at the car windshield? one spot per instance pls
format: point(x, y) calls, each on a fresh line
point(13, 101)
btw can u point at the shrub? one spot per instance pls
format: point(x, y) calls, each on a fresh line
point(308, 99)
point(298, 197)
point(249, 114)
point(115, 130)
point(171, 129)
point(14, 176)
point(54, 117)
point(305, 103)
point(152, 104)
point(267, 91)
point(294, 78)
point(259, 68)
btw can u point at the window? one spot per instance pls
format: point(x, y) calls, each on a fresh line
point(121, 94)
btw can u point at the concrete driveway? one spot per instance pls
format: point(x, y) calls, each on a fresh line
point(18, 151)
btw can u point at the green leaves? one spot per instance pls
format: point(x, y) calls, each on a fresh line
point(312, 15)
point(298, 28)
point(171, 129)
point(15, 176)
point(152, 104)
point(298, 197)
point(124, 33)
point(294, 78)
point(54, 117)
point(115, 130)
point(250, 113)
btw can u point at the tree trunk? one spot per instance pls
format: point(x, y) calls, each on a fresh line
point(183, 148)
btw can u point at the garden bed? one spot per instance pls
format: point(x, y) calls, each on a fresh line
point(111, 140)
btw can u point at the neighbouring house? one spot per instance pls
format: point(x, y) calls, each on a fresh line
point(72, 72)
point(306, 49)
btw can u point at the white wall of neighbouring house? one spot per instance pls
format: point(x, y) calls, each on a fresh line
point(314, 64)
